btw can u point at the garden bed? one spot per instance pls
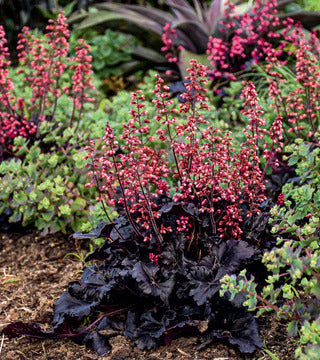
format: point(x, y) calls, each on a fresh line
point(35, 271)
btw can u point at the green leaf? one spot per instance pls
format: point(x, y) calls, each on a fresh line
point(10, 281)
point(293, 160)
point(68, 8)
point(40, 223)
point(20, 197)
point(47, 216)
point(34, 153)
point(273, 357)
point(15, 217)
point(316, 289)
point(78, 204)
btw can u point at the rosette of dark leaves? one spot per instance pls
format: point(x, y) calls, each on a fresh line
point(153, 301)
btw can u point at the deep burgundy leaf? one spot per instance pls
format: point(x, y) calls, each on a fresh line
point(204, 284)
point(19, 328)
point(232, 252)
point(111, 323)
point(213, 14)
point(71, 310)
point(146, 276)
point(145, 342)
point(197, 33)
point(97, 342)
point(238, 325)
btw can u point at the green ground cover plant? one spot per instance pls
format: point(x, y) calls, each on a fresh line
point(112, 58)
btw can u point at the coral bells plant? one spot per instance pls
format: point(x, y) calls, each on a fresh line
point(208, 170)
point(12, 123)
point(247, 39)
point(296, 102)
point(42, 63)
point(158, 273)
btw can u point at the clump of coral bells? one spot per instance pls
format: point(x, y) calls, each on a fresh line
point(160, 268)
point(249, 37)
point(209, 172)
point(296, 102)
point(42, 61)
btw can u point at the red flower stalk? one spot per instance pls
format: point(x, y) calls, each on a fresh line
point(169, 37)
point(46, 62)
point(137, 169)
point(82, 79)
point(6, 85)
point(297, 109)
point(212, 174)
point(11, 124)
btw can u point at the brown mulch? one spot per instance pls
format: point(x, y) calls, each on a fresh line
point(34, 271)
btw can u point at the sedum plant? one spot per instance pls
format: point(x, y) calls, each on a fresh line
point(158, 273)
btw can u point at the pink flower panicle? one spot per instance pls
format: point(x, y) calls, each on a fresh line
point(296, 106)
point(136, 170)
point(6, 85)
point(43, 63)
point(296, 110)
point(169, 38)
point(11, 124)
point(82, 80)
point(280, 199)
point(154, 258)
point(209, 170)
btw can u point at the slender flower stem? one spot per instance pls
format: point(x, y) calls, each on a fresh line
point(129, 217)
point(102, 202)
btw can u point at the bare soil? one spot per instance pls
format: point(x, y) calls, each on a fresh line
point(34, 271)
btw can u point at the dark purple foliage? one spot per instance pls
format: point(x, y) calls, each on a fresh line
point(154, 301)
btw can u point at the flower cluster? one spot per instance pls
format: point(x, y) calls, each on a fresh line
point(42, 61)
point(11, 124)
point(252, 36)
point(253, 40)
point(210, 174)
point(82, 79)
point(169, 38)
point(296, 106)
